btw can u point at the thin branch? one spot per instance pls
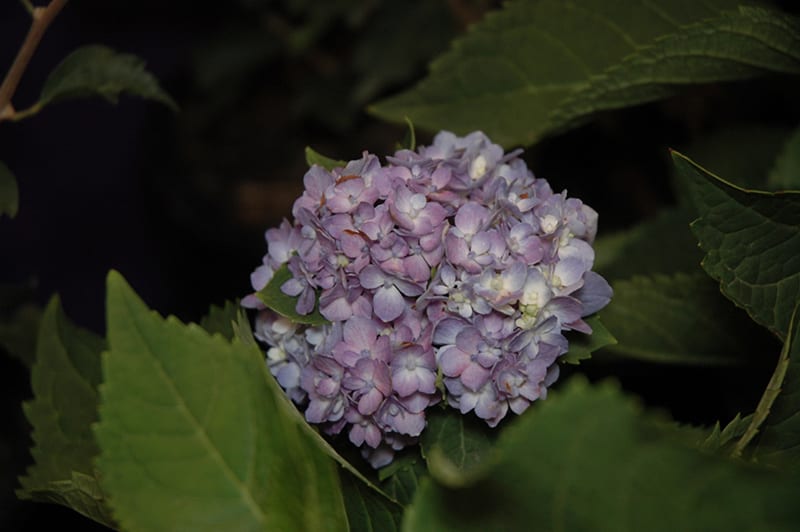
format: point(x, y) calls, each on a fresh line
point(42, 17)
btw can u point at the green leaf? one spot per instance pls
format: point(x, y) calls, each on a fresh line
point(97, 70)
point(734, 45)
point(744, 154)
point(456, 445)
point(581, 346)
point(18, 333)
point(662, 244)
point(192, 436)
point(284, 305)
point(9, 192)
point(401, 478)
point(539, 66)
point(785, 174)
point(778, 414)
point(64, 379)
point(221, 319)
point(327, 163)
point(720, 441)
point(677, 319)
point(244, 334)
point(368, 511)
point(588, 459)
point(752, 244)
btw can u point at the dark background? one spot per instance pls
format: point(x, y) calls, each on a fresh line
point(179, 202)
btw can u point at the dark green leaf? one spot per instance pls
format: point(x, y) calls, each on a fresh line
point(720, 441)
point(536, 67)
point(18, 333)
point(785, 174)
point(221, 319)
point(192, 436)
point(100, 71)
point(581, 346)
point(662, 244)
point(9, 193)
point(327, 163)
point(677, 319)
point(588, 459)
point(367, 510)
point(752, 244)
point(779, 442)
point(744, 154)
point(401, 478)
point(284, 305)
point(734, 45)
point(456, 445)
point(64, 379)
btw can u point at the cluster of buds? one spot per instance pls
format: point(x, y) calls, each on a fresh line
point(449, 271)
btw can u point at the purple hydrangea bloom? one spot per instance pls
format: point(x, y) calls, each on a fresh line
point(447, 272)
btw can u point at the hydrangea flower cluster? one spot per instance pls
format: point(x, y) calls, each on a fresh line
point(448, 267)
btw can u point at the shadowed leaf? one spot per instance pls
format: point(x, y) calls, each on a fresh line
point(752, 244)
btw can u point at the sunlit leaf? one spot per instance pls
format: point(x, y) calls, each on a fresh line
point(192, 438)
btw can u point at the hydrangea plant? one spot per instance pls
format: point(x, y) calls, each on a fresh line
point(451, 264)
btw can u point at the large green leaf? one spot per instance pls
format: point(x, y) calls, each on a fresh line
point(539, 66)
point(65, 378)
point(97, 70)
point(677, 319)
point(9, 192)
point(192, 435)
point(778, 413)
point(785, 174)
point(588, 459)
point(752, 244)
point(663, 244)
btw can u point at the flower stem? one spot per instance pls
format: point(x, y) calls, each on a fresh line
point(42, 17)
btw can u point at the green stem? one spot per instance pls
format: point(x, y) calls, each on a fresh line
point(42, 17)
point(771, 393)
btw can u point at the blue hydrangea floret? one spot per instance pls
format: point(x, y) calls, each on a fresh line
point(449, 271)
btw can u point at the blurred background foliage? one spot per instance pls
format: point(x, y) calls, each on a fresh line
point(179, 202)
